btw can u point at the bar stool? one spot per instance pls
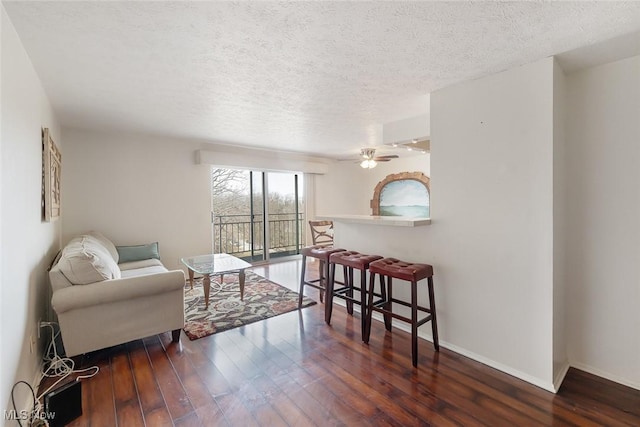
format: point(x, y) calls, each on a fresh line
point(349, 260)
point(321, 253)
point(390, 268)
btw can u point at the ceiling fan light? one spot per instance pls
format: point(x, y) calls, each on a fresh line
point(368, 164)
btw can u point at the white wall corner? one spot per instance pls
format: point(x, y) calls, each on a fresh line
point(602, 228)
point(560, 359)
point(560, 375)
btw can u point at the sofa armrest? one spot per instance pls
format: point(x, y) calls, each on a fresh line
point(115, 290)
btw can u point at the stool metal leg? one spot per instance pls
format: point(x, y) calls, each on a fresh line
point(328, 305)
point(363, 302)
point(327, 266)
point(386, 282)
point(432, 306)
point(367, 332)
point(323, 279)
point(304, 269)
point(414, 323)
point(348, 281)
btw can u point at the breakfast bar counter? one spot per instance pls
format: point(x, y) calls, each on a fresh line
point(395, 221)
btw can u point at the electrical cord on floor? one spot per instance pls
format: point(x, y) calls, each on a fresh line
point(13, 401)
point(58, 366)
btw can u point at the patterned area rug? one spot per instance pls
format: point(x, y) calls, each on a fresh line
point(262, 299)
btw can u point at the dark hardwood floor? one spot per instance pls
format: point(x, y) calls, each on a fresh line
point(294, 370)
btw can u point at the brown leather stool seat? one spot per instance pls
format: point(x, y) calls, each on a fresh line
point(350, 260)
point(388, 269)
point(322, 253)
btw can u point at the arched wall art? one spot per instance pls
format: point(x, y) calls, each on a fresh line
point(402, 194)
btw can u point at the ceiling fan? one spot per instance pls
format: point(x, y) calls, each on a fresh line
point(371, 160)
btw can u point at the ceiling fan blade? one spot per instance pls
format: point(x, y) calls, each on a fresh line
point(382, 160)
point(391, 156)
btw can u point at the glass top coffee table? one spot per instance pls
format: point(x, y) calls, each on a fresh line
point(215, 265)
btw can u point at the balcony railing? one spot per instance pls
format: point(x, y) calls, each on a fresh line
point(233, 235)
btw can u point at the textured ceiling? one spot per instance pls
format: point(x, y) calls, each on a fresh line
point(317, 77)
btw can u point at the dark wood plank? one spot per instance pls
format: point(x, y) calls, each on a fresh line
point(190, 420)
point(215, 382)
point(192, 382)
point(173, 392)
point(211, 415)
point(158, 417)
point(273, 364)
point(99, 392)
point(234, 411)
point(128, 409)
point(267, 416)
point(154, 408)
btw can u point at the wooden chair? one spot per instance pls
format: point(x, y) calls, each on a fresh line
point(321, 232)
point(322, 237)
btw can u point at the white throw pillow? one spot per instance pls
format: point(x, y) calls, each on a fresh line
point(85, 261)
point(109, 246)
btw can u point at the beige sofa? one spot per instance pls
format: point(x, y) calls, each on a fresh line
point(101, 303)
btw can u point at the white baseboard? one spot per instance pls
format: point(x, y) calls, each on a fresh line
point(499, 366)
point(548, 386)
point(557, 382)
point(552, 387)
point(606, 375)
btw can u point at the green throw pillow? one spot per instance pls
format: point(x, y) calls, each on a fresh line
point(138, 253)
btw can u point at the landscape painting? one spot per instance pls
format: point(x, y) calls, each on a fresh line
point(405, 197)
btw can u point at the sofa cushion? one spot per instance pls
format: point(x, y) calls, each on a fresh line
point(108, 245)
point(144, 271)
point(84, 260)
point(138, 252)
point(133, 265)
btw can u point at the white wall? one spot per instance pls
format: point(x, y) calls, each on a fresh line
point(28, 243)
point(603, 182)
point(492, 192)
point(491, 237)
point(560, 360)
point(137, 189)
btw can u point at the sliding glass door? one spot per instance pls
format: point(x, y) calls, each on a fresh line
point(257, 215)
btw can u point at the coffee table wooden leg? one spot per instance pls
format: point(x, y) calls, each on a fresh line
point(241, 277)
point(206, 282)
point(190, 277)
